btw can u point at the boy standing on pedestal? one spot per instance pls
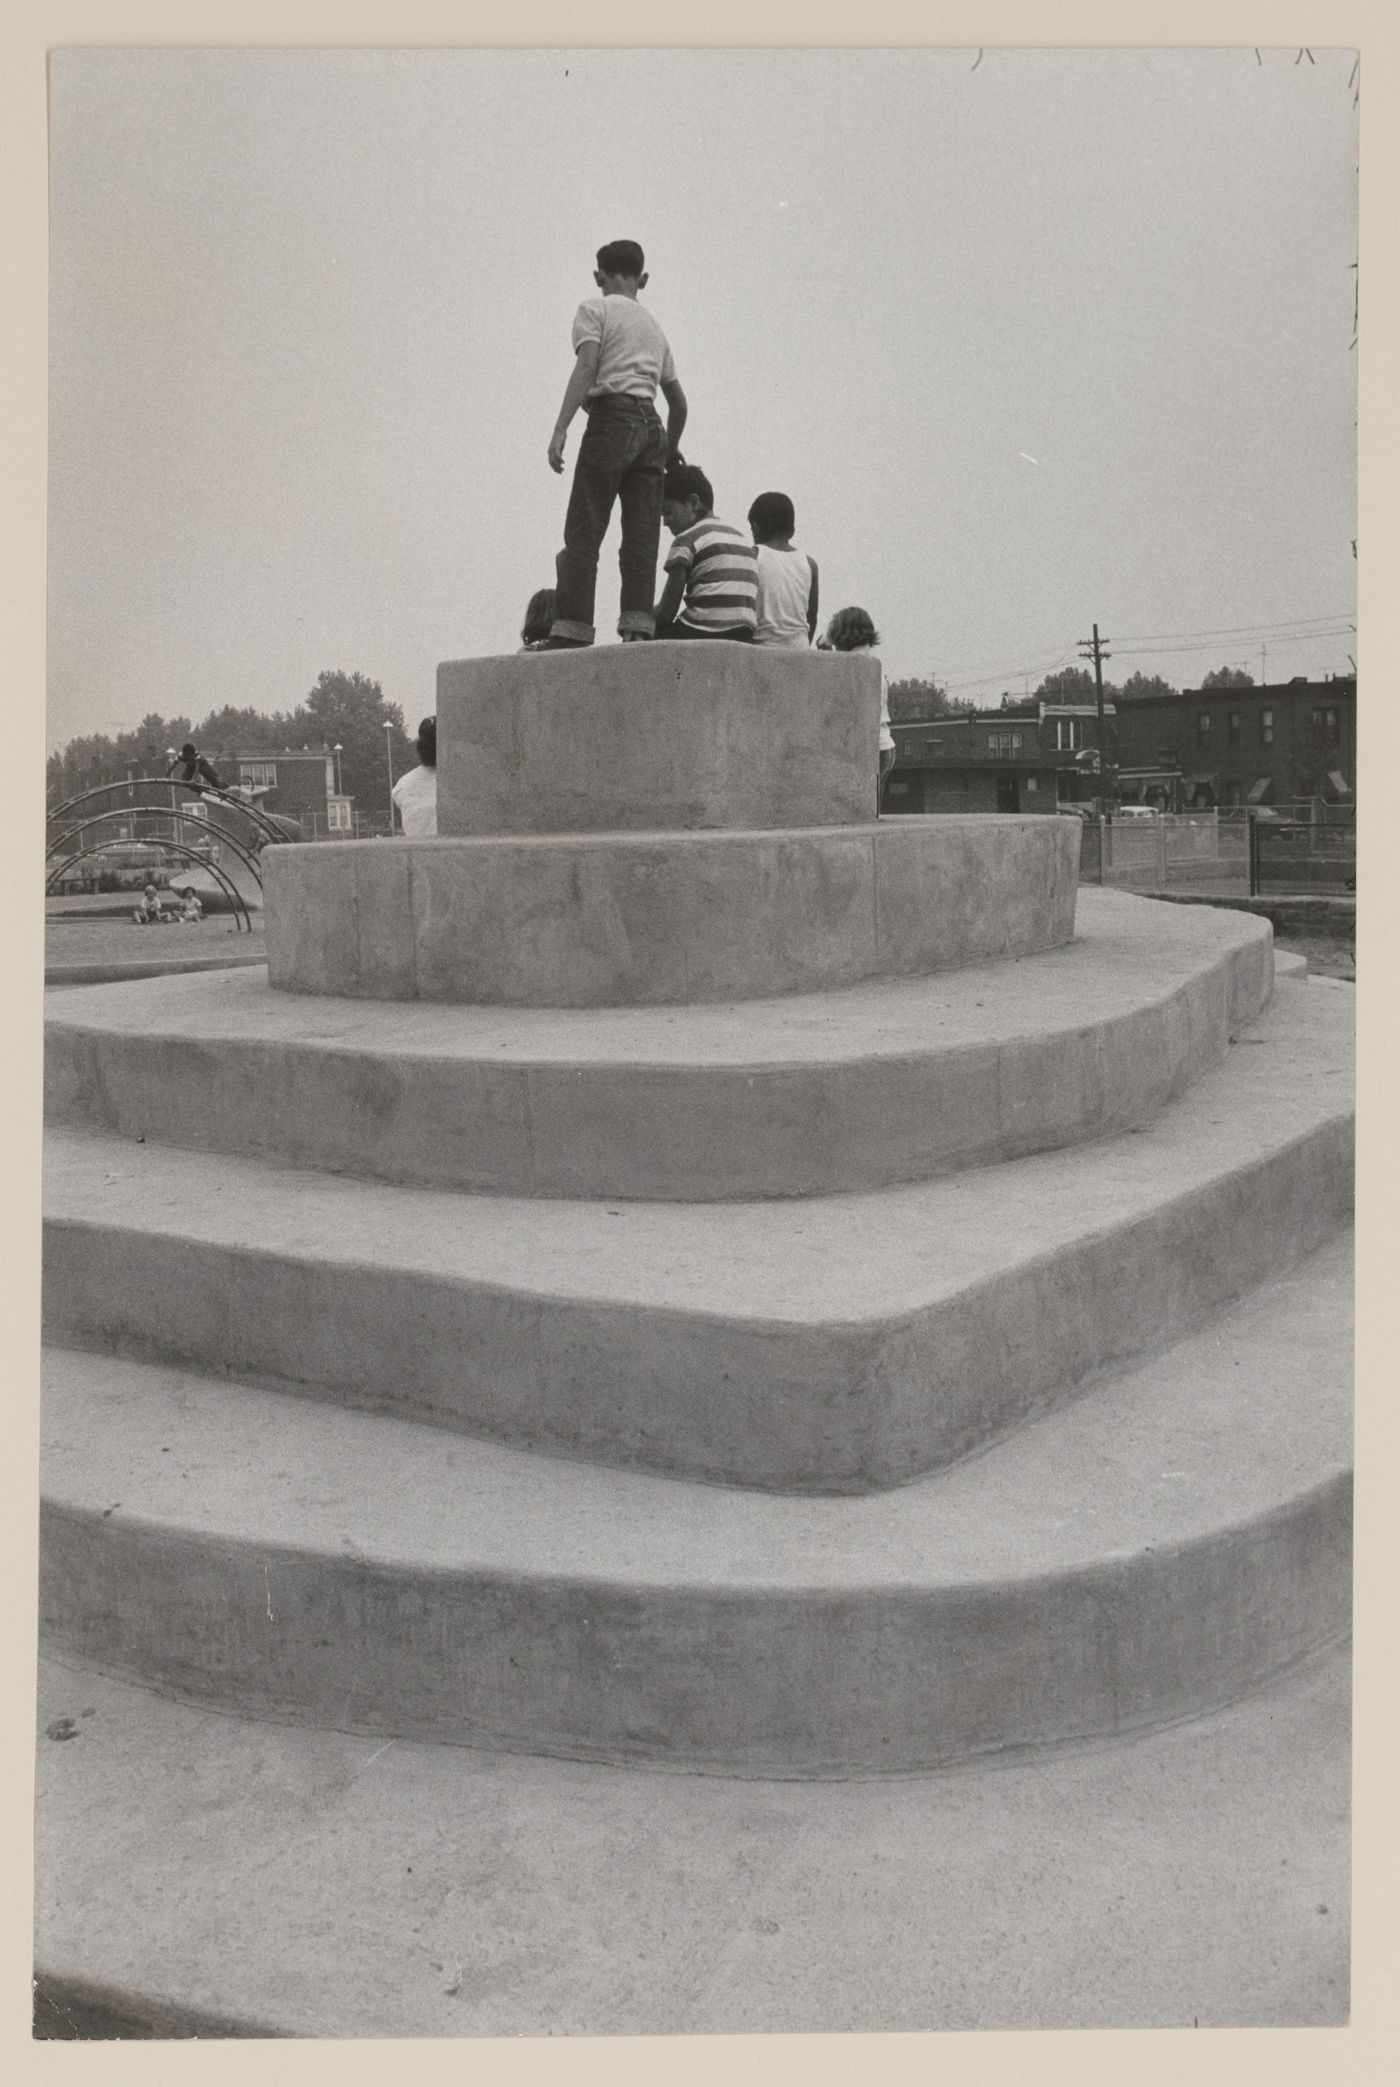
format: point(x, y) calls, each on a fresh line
point(621, 357)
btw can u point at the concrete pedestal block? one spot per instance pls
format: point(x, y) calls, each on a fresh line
point(626, 920)
point(629, 738)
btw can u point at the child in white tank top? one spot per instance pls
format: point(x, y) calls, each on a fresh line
point(787, 579)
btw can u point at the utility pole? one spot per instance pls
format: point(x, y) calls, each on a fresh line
point(1093, 649)
point(389, 761)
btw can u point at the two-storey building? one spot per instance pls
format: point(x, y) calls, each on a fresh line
point(1284, 743)
point(297, 783)
point(1031, 759)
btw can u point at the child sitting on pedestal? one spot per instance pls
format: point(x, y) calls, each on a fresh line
point(787, 578)
point(711, 570)
point(851, 630)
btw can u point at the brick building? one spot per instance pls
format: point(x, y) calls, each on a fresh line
point(298, 783)
point(1032, 759)
point(1283, 744)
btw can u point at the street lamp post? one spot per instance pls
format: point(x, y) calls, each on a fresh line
point(389, 763)
point(337, 750)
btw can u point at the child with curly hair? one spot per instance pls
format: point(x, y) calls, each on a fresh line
point(852, 630)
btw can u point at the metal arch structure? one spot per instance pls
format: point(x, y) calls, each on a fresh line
point(73, 833)
point(160, 798)
point(262, 821)
point(238, 904)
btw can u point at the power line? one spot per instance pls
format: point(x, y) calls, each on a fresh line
point(1236, 629)
point(1301, 637)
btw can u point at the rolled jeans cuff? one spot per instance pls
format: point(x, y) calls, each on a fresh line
point(576, 633)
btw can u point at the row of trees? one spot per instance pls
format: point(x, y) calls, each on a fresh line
point(347, 710)
point(350, 710)
point(919, 700)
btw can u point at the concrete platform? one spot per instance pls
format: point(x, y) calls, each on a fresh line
point(198, 1872)
point(836, 1343)
point(622, 737)
point(119, 970)
point(638, 918)
point(1175, 1536)
point(809, 1094)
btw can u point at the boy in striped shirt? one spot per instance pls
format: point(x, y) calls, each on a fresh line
point(711, 569)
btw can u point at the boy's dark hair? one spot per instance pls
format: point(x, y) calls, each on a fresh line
point(539, 616)
point(621, 257)
point(850, 628)
point(772, 515)
point(685, 480)
point(427, 742)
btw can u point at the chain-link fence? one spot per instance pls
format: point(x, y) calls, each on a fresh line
point(1226, 854)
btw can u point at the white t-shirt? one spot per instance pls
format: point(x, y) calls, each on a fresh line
point(634, 357)
point(886, 735)
point(784, 590)
point(415, 794)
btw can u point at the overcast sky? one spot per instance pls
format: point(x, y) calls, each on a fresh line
point(1053, 338)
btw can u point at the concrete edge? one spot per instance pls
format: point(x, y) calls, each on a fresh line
point(667, 1132)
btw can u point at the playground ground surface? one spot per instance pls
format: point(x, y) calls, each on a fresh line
point(95, 939)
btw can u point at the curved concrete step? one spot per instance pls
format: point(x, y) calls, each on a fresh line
point(642, 919)
point(201, 1874)
point(836, 1344)
point(898, 1081)
point(1177, 1535)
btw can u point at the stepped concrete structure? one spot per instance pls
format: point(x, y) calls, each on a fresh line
point(676, 1274)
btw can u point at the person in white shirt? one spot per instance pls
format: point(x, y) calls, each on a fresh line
point(787, 579)
point(621, 356)
point(851, 630)
point(415, 792)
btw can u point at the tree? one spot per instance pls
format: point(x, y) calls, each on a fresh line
point(1146, 685)
point(1227, 677)
point(1074, 685)
point(350, 710)
point(239, 729)
point(915, 701)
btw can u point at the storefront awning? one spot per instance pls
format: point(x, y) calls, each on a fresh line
point(1260, 790)
point(1338, 782)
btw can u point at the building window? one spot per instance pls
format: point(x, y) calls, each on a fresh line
point(1005, 743)
point(1266, 728)
point(1066, 734)
point(261, 774)
point(338, 815)
point(1232, 729)
point(1327, 726)
point(1203, 727)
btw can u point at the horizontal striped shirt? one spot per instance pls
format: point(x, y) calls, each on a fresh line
point(721, 576)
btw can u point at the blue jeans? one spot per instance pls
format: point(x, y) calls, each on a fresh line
point(622, 458)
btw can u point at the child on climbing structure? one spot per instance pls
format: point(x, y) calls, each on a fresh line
point(851, 630)
point(621, 357)
point(787, 579)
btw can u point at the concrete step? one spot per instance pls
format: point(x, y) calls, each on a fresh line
point(896, 1081)
point(202, 1874)
point(1174, 1537)
point(664, 918)
point(836, 1344)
